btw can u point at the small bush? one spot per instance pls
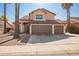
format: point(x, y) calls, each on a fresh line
point(74, 29)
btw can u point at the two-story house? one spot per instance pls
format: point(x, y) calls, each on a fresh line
point(41, 21)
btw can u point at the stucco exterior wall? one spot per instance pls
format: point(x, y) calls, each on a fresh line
point(50, 16)
point(47, 15)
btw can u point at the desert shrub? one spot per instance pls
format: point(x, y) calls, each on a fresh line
point(74, 29)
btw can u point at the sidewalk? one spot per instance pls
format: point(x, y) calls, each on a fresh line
point(47, 49)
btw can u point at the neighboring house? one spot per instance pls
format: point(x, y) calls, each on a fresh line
point(74, 20)
point(41, 21)
point(8, 26)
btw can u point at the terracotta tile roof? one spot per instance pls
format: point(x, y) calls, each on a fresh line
point(24, 18)
point(60, 21)
point(74, 19)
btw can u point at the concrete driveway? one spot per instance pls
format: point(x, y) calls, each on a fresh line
point(54, 39)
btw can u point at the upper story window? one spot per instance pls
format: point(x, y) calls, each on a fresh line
point(39, 17)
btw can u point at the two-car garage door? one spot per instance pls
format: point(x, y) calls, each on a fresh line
point(41, 29)
point(47, 29)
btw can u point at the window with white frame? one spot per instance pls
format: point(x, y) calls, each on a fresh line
point(39, 17)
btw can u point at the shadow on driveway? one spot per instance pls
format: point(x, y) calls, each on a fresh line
point(26, 38)
point(47, 38)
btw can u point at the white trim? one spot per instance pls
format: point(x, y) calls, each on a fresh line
point(41, 24)
point(39, 19)
point(53, 29)
point(64, 29)
point(30, 29)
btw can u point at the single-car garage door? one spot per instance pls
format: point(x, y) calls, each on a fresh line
point(41, 29)
point(58, 29)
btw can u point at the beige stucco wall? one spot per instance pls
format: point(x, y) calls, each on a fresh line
point(47, 15)
point(50, 16)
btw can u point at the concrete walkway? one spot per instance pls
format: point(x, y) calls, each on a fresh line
point(40, 50)
point(67, 45)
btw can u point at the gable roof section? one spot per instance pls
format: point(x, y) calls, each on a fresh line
point(25, 18)
point(44, 10)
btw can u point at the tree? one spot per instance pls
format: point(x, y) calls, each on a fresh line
point(2, 18)
point(67, 6)
point(16, 33)
point(5, 18)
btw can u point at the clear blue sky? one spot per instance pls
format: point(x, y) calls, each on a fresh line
point(28, 7)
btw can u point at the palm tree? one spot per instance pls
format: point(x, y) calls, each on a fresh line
point(67, 6)
point(16, 33)
point(5, 18)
